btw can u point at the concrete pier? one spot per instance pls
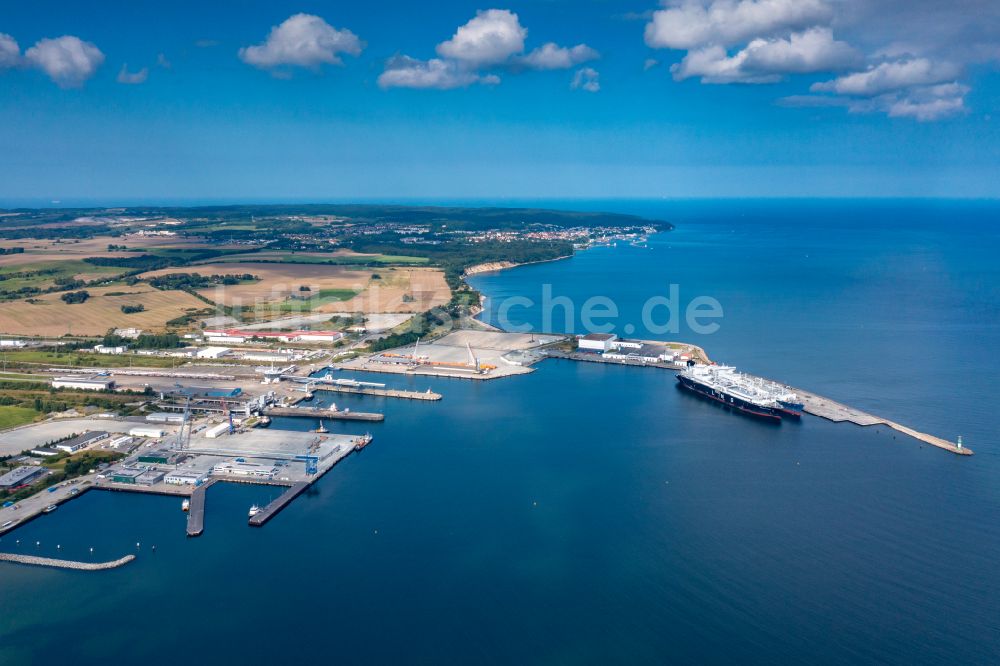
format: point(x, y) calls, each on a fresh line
point(278, 504)
point(383, 393)
point(837, 412)
point(196, 511)
point(327, 414)
point(815, 404)
point(65, 564)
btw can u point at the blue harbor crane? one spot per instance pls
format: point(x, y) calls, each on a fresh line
point(312, 463)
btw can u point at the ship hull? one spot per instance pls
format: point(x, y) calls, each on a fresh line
point(733, 402)
point(797, 407)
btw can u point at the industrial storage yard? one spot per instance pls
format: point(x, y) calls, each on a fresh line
point(470, 353)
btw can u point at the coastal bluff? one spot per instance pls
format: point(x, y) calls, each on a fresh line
point(489, 267)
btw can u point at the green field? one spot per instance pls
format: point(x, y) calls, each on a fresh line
point(334, 295)
point(306, 303)
point(88, 360)
point(22, 376)
point(332, 260)
point(61, 269)
point(14, 416)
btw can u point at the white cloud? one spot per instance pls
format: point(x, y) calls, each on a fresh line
point(492, 39)
point(493, 36)
point(923, 103)
point(649, 64)
point(586, 78)
point(813, 50)
point(890, 76)
point(302, 40)
point(132, 78)
point(10, 52)
point(930, 103)
point(713, 65)
point(553, 56)
point(767, 60)
point(68, 60)
point(916, 50)
point(437, 74)
point(692, 24)
point(161, 61)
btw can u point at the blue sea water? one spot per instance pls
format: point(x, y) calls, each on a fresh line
point(593, 514)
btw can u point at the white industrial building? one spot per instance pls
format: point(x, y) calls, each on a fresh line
point(81, 441)
point(226, 339)
point(21, 476)
point(217, 430)
point(596, 342)
point(186, 477)
point(316, 336)
point(147, 431)
point(84, 383)
point(252, 470)
point(131, 333)
point(103, 349)
point(214, 352)
point(165, 417)
point(644, 354)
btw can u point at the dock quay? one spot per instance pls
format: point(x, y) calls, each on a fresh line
point(65, 564)
point(814, 404)
point(382, 393)
point(597, 358)
point(331, 414)
point(196, 512)
point(832, 410)
point(279, 503)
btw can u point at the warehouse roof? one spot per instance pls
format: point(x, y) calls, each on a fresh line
point(20, 475)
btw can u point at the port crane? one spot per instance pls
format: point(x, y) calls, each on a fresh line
point(229, 416)
point(184, 440)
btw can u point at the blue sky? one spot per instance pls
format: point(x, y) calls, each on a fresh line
point(186, 101)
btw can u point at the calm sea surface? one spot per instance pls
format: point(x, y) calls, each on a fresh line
point(586, 514)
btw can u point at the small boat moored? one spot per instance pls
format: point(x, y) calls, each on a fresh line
point(50, 508)
point(254, 510)
point(186, 504)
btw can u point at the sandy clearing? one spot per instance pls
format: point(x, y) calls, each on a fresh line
point(50, 316)
point(397, 289)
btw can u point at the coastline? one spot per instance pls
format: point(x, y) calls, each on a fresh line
point(497, 266)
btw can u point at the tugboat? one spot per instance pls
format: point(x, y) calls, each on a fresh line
point(321, 428)
point(186, 504)
point(263, 421)
point(254, 510)
point(362, 441)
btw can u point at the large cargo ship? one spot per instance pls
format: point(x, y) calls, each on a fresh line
point(745, 394)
